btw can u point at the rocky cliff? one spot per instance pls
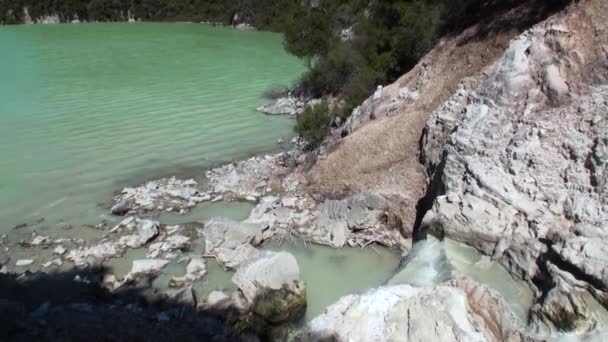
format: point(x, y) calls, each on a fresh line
point(498, 139)
point(520, 157)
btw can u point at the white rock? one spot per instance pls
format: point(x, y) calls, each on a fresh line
point(147, 266)
point(60, 250)
point(24, 262)
point(405, 313)
point(270, 270)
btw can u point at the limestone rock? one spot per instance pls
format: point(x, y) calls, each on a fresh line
point(147, 266)
point(176, 242)
point(24, 262)
point(147, 231)
point(216, 300)
point(167, 193)
point(283, 105)
point(100, 252)
point(358, 219)
point(519, 157)
point(457, 311)
point(227, 240)
point(60, 250)
point(121, 208)
point(233, 258)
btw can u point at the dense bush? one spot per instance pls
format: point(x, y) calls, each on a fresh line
point(390, 37)
point(313, 124)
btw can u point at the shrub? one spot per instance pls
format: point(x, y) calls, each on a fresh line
point(313, 124)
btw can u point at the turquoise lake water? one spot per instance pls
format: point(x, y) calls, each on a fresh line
point(87, 109)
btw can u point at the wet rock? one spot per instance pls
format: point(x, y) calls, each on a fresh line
point(271, 287)
point(121, 208)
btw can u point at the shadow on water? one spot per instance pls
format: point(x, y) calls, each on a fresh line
point(74, 306)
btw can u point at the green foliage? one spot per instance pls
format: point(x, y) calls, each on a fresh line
point(313, 124)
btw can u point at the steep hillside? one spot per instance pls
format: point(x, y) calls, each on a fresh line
point(381, 154)
point(501, 132)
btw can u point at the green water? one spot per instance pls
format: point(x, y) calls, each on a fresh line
point(87, 109)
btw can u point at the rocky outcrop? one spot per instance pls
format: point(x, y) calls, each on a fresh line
point(270, 293)
point(168, 194)
point(357, 220)
point(519, 158)
point(455, 311)
point(249, 179)
point(287, 105)
point(131, 233)
point(284, 105)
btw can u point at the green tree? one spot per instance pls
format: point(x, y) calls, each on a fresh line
point(314, 123)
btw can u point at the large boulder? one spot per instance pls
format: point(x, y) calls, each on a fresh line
point(456, 311)
point(270, 287)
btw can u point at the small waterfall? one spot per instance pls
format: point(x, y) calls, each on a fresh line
point(426, 265)
point(431, 262)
